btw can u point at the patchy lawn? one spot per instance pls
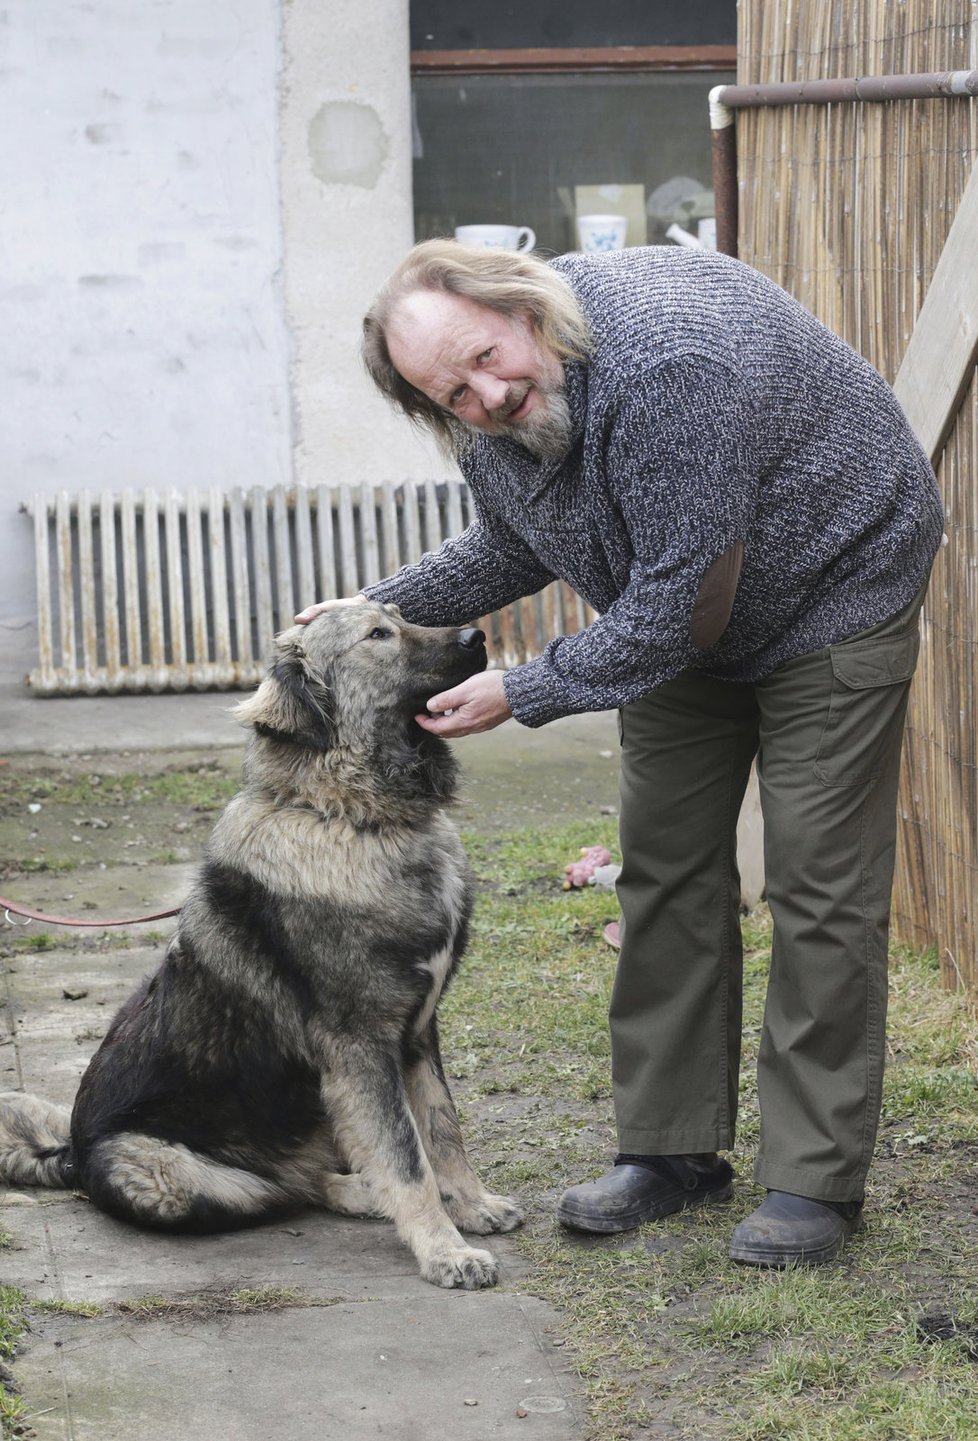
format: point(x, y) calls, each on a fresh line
point(670, 1338)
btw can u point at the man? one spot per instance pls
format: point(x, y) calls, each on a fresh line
point(739, 497)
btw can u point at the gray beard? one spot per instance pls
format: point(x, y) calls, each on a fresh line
point(547, 433)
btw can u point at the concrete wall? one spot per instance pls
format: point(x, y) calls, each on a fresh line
point(348, 220)
point(200, 200)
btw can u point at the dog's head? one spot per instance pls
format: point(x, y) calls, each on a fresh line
point(358, 672)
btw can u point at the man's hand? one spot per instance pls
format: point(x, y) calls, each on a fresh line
point(478, 704)
point(311, 611)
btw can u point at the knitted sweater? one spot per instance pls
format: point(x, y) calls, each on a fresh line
point(714, 409)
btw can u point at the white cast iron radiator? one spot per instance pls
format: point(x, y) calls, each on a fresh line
point(150, 592)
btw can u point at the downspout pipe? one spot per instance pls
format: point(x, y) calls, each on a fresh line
point(726, 99)
point(723, 134)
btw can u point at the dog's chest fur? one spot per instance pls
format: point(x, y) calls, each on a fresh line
point(360, 911)
point(412, 872)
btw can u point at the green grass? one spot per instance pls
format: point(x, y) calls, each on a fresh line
point(667, 1335)
point(11, 1319)
point(12, 1326)
point(39, 865)
point(87, 1309)
point(204, 786)
point(13, 1416)
point(534, 997)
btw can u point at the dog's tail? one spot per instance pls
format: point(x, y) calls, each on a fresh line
point(35, 1142)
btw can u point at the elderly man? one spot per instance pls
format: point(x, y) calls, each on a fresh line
point(739, 496)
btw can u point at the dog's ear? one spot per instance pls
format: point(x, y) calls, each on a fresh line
point(292, 703)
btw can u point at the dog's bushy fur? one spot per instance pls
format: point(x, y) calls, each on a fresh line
point(286, 1051)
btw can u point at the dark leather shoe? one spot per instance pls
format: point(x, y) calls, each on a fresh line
point(630, 1194)
point(788, 1230)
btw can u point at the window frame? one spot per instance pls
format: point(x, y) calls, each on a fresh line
point(619, 58)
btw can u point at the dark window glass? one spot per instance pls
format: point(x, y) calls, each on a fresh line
point(513, 150)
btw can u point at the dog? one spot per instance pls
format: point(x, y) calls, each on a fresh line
point(286, 1053)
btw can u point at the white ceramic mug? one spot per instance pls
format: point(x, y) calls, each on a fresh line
point(506, 237)
point(602, 232)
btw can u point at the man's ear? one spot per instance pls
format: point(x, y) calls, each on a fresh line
point(292, 704)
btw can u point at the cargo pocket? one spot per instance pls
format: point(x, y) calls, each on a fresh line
point(870, 685)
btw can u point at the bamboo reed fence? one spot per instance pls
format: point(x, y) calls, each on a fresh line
point(848, 207)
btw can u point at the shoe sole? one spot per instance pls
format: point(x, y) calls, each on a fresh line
point(606, 1226)
point(781, 1260)
point(784, 1260)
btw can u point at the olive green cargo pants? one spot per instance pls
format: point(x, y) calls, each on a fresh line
point(826, 730)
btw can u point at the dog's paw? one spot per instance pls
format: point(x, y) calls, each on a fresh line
point(484, 1214)
point(461, 1267)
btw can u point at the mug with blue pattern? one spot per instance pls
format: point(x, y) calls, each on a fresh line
point(602, 232)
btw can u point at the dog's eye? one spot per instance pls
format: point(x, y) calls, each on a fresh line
point(379, 633)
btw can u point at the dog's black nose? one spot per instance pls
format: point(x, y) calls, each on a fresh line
point(470, 637)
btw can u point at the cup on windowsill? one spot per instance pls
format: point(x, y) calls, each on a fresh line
point(602, 232)
point(503, 237)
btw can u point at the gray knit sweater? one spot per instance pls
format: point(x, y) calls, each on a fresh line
point(714, 409)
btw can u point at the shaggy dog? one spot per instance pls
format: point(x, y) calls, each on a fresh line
point(286, 1051)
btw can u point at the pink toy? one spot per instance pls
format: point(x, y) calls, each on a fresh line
point(581, 873)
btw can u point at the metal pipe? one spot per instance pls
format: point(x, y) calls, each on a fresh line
point(931, 86)
point(725, 99)
point(724, 140)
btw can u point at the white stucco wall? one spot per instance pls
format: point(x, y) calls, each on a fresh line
point(142, 330)
point(347, 220)
point(199, 202)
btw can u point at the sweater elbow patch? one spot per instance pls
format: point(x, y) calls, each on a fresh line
point(715, 597)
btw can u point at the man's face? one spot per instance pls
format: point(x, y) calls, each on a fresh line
point(481, 367)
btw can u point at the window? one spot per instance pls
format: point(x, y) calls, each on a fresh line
point(509, 129)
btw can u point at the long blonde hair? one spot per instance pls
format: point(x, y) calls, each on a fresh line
point(507, 281)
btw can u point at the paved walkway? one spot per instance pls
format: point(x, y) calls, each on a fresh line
point(70, 724)
point(376, 1352)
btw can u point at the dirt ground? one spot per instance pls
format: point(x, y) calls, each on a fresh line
point(668, 1341)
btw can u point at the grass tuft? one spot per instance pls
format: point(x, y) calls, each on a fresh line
point(216, 1302)
point(88, 1309)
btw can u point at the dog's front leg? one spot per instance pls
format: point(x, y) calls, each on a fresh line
point(365, 1098)
point(466, 1200)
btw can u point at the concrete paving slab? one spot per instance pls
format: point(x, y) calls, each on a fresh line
point(419, 1372)
point(64, 1249)
point(102, 898)
point(67, 725)
point(113, 893)
point(53, 1035)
